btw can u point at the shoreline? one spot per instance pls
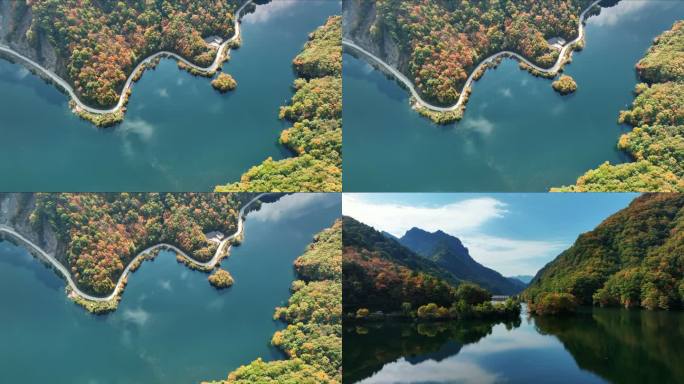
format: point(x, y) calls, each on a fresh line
point(115, 113)
point(108, 303)
point(455, 112)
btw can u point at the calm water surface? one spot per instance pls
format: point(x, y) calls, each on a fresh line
point(599, 346)
point(517, 133)
point(179, 133)
point(171, 325)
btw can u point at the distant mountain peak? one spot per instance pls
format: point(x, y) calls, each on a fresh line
point(425, 243)
point(449, 252)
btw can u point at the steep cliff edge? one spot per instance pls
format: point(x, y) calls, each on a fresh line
point(15, 211)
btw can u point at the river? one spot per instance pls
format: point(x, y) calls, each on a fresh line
point(595, 346)
point(517, 134)
point(171, 325)
point(179, 134)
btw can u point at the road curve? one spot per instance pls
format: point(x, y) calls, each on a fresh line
point(220, 251)
point(469, 82)
point(64, 85)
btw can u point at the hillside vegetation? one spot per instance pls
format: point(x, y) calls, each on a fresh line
point(102, 233)
point(442, 41)
point(449, 253)
point(657, 114)
point(635, 258)
point(313, 337)
point(316, 113)
point(382, 275)
point(98, 43)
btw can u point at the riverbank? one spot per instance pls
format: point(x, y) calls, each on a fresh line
point(109, 303)
point(449, 114)
point(103, 117)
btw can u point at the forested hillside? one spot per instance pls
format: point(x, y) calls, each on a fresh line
point(102, 233)
point(449, 253)
point(635, 258)
point(313, 337)
point(382, 275)
point(657, 114)
point(316, 113)
point(98, 43)
point(440, 42)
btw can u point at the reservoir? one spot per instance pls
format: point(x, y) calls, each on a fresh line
point(179, 134)
point(171, 326)
point(517, 134)
point(595, 346)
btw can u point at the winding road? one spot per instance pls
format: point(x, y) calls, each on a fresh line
point(220, 252)
point(63, 84)
point(469, 82)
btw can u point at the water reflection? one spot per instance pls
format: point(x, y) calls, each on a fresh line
point(384, 352)
point(596, 346)
point(623, 346)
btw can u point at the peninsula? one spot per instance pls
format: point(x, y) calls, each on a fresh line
point(655, 142)
point(96, 240)
point(96, 54)
point(316, 114)
point(312, 339)
point(438, 51)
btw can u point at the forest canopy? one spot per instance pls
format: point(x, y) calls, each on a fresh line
point(316, 114)
point(382, 276)
point(100, 42)
point(102, 233)
point(440, 42)
point(634, 258)
point(312, 339)
point(656, 142)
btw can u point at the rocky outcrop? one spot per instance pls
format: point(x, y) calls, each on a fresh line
point(15, 211)
point(15, 22)
point(357, 21)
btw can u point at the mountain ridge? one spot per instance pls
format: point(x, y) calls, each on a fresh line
point(449, 252)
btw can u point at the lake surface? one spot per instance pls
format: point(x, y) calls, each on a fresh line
point(171, 325)
point(179, 133)
point(596, 346)
point(517, 134)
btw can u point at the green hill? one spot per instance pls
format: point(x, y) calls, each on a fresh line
point(634, 258)
point(449, 253)
point(382, 275)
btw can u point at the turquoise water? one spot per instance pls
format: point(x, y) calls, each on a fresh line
point(179, 133)
point(596, 346)
point(171, 325)
point(517, 134)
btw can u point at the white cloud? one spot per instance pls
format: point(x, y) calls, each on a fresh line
point(163, 92)
point(138, 127)
point(217, 304)
point(451, 370)
point(506, 92)
point(463, 219)
point(294, 205)
point(479, 124)
point(265, 12)
point(165, 284)
point(22, 73)
point(137, 316)
point(461, 216)
point(508, 341)
point(511, 256)
point(611, 16)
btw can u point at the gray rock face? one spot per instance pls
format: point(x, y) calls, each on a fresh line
point(13, 34)
point(357, 22)
point(15, 210)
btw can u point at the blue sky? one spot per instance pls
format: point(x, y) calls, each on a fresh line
point(515, 234)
